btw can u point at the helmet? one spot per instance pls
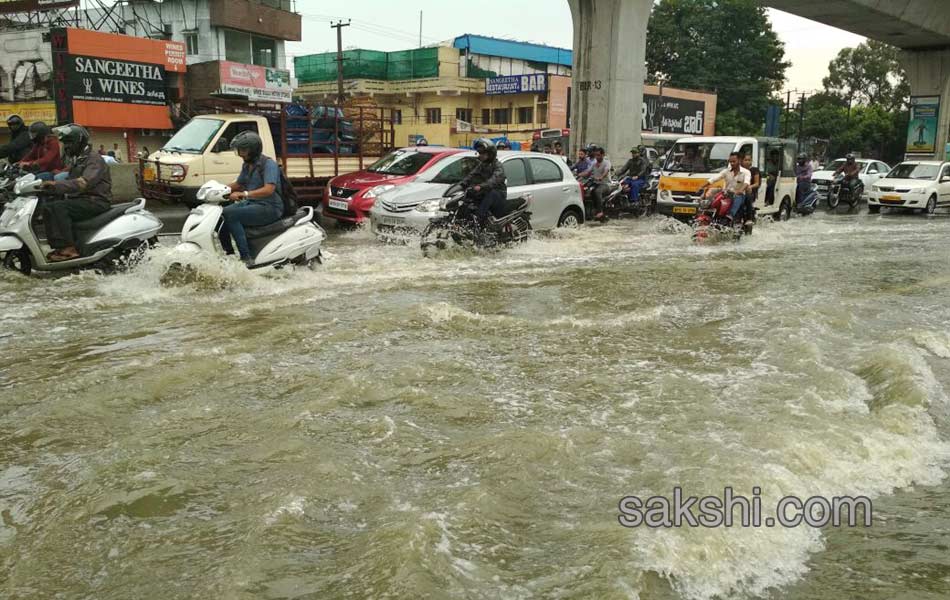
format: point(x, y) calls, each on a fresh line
point(422, 142)
point(487, 146)
point(802, 157)
point(849, 157)
point(74, 137)
point(250, 141)
point(503, 145)
point(39, 131)
point(14, 122)
point(591, 148)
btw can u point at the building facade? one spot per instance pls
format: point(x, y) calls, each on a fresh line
point(243, 32)
point(478, 86)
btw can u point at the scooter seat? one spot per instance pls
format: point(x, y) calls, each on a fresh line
point(101, 220)
point(275, 228)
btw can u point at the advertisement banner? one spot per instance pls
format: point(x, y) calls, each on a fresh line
point(111, 80)
point(922, 128)
point(29, 111)
point(255, 82)
point(21, 6)
point(516, 84)
point(679, 115)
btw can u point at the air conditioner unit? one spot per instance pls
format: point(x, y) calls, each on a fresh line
point(167, 28)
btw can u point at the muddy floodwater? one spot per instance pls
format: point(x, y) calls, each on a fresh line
point(391, 426)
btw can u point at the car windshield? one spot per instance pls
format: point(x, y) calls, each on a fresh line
point(837, 164)
point(699, 157)
point(400, 162)
point(194, 137)
point(912, 171)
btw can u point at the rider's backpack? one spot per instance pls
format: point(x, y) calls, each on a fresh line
point(287, 192)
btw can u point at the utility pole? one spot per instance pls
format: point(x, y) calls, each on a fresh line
point(801, 121)
point(339, 25)
point(788, 108)
point(661, 79)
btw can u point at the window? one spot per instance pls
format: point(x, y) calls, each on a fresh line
point(500, 116)
point(464, 114)
point(545, 171)
point(454, 172)
point(946, 172)
point(526, 114)
point(515, 173)
point(264, 51)
point(397, 116)
point(224, 142)
point(486, 116)
point(191, 43)
point(882, 168)
point(237, 46)
point(433, 115)
point(400, 162)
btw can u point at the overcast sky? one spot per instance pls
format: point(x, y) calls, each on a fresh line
point(390, 25)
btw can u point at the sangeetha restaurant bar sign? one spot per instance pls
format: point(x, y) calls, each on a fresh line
point(110, 80)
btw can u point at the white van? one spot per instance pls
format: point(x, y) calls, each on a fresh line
point(693, 160)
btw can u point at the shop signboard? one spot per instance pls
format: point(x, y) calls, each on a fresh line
point(679, 115)
point(516, 84)
point(255, 82)
point(110, 80)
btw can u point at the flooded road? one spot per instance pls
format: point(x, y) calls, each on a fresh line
point(464, 427)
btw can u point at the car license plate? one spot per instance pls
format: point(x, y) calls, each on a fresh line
point(684, 210)
point(340, 204)
point(890, 198)
point(392, 221)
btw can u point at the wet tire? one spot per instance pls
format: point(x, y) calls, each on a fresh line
point(19, 261)
point(931, 205)
point(785, 209)
point(874, 209)
point(570, 218)
point(832, 201)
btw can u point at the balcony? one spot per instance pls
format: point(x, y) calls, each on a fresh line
point(271, 18)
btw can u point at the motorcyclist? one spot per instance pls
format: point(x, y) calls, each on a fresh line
point(87, 190)
point(735, 183)
point(487, 181)
point(43, 157)
point(583, 161)
point(638, 170)
point(599, 171)
point(803, 173)
point(19, 143)
point(755, 182)
point(852, 172)
point(257, 194)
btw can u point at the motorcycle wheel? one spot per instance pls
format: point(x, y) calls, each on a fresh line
point(832, 201)
point(19, 261)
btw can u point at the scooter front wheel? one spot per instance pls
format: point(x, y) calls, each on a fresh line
point(19, 260)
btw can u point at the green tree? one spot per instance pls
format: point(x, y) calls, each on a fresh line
point(723, 45)
point(868, 74)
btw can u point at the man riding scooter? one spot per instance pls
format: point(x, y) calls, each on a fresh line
point(43, 158)
point(87, 190)
point(19, 143)
point(637, 169)
point(487, 181)
point(599, 172)
point(735, 179)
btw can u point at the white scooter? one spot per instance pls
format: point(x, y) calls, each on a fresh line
point(295, 239)
point(110, 236)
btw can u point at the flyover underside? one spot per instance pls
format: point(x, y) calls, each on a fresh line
point(908, 24)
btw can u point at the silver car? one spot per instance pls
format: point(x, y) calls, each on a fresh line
point(556, 197)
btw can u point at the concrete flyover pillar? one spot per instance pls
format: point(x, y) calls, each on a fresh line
point(608, 73)
point(928, 72)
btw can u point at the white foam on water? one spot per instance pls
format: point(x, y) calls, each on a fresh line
point(294, 508)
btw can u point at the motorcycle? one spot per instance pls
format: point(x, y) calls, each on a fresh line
point(708, 228)
point(588, 185)
point(841, 192)
point(9, 173)
point(104, 240)
point(619, 202)
point(808, 202)
point(462, 227)
point(294, 239)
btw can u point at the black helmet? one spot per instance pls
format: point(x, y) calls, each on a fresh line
point(14, 122)
point(38, 132)
point(250, 141)
point(487, 146)
point(802, 157)
point(591, 148)
point(74, 137)
point(849, 158)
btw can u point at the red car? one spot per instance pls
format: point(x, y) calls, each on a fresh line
point(348, 198)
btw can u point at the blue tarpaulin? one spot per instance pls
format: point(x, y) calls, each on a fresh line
point(477, 44)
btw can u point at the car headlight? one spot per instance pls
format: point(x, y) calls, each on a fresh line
point(379, 189)
point(177, 172)
point(666, 195)
point(430, 206)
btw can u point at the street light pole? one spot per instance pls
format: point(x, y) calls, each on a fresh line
point(661, 79)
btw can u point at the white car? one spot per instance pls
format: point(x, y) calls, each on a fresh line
point(871, 171)
point(556, 197)
point(915, 184)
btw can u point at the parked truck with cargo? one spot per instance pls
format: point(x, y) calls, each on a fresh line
point(312, 144)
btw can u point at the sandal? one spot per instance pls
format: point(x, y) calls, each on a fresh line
point(60, 257)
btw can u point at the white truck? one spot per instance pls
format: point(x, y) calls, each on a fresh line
point(311, 144)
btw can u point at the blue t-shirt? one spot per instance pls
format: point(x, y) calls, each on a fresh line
point(256, 175)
